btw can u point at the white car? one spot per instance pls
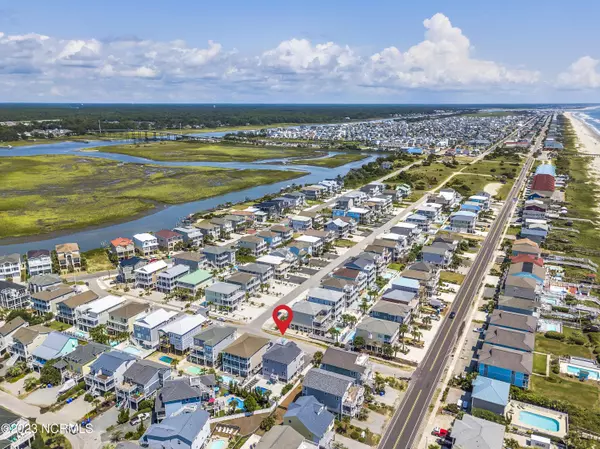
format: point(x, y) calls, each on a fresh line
point(144, 416)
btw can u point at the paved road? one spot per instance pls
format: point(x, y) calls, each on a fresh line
point(405, 423)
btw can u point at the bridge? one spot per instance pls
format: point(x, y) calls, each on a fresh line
point(138, 135)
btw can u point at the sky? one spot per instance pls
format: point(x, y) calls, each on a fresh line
point(303, 52)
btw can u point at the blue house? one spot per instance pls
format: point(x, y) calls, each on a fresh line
point(283, 361)
point(507, 365)
point(490, 394)
point(178, 394)
point(406, 285)
point(546, 169)
point(310, 418)
point(54, 346)
point(471, 206)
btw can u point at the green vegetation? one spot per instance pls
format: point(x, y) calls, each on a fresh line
point(451, 277)
point(426, 176)
point(343, 243)
point(336, 160)
point(58, 326)
point(43, 194)
point(191, 151)
point(540, 363)
point(550, 345)
point(98, 260)
point(469, 184)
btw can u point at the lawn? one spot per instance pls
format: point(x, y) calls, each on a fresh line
point(396, 266)
point(185, 151)
point(58, 326)
point(469, 184)
point(42, 194)
point(331, 162)
point(540, 363)
point(451, 277)
point(556, 347)
point(344, 243)
point(582, 394)
point(97, 260)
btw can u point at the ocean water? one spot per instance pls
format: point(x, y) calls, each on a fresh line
point(591, 117)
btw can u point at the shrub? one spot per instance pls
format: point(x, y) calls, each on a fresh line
point(554, 335)
point(88, 398)
point(355, 435)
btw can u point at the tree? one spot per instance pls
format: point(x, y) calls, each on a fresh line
point(123, 416)
point(30, 383)
point(416, 334)
point(427, 320)
point(116, 436)
point(49, 374)
point(334, 333)
point(387, 350)
point(251, 404)
point(267, 423)
point(359, 342)
point(140, 430)
point(364, 306)
point(317, 358)
point(349, 320)
point(99, 334)
point(403, 330)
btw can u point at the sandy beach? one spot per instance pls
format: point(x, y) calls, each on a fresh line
point(588, 141)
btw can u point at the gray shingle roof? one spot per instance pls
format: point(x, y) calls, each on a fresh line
point(11, 326)
point(178, 390)
point(215, 334)
point(142, 371)
point(375, 325)
point(514, 320)
point(185, 426)
point(509, 359)
point(511, 338)
point(280, 437)
point(111, 360)
point(84, 354)
point(342, 359)
point(476, 433)
point(283, 352)
point(312, 414)
point(327, 382)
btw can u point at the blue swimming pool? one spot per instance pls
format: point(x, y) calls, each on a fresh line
point(194, 370)
point(227, 380)
point(539, 421)
point(576, 371)
point(132, 350)
point(166, 359)
point(239, 403)
point(217, 444)
point(263, 390)
point(552, 327)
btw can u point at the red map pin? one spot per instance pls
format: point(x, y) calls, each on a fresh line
point(282, 323)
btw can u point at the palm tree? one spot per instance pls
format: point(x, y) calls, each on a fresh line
point(427, 320)
point(396, 348)
point(387, 350)
point(334, 333)
point(364, 306)
point(416, 334)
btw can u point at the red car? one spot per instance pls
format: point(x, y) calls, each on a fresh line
point(439, 432)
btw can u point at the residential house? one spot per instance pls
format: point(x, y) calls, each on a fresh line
point(122, 319)
point(325, 236)
point(513, 321)
point(412, 231)
point(54, 346)
point(191, 236)
point(341, 229)
point(283, 361)
point(366, 266)
point(432, 211)
point(536, 235)
point(471, 206)
point(351, 364)
point(244, 356)
point(395, 248)
point(46, 301)
point(316, 243)
point(193, 259)
point(238, 222)
point(69, 257)
point(255, 244)
point(407, 285)
point(543, 185)
point(8, 330)
point(271, 238)
point(534, 209)
point(490, 394)
point(167, 280)
point(10, 267)
point(300, 223)
point(345, 286)
point(392, 311)
point(377, 333)
point(209, 343)
point(312, 420)
point(436, 255)
point(509, 338)
point(224, 295)
point(127, 269)
point(181, 396)
point(517, 305)
point(284, 437)
point(168, 240)
point(226, 226)
point(298, 198)
point(249, 283)
point(65, 310)
point(383, 254)
point(272, 209)
point(76, 364)
point(330, 298)
point(311, 318)
point(484, 200)
point(314, 192)
point(335, 391)
point(39, 261)
point(357, 276)
point(146, 328)
point(463, 222)
point(194, 282)
point(287, 255)
point(528, 270)
point(400, 296)
point(443, 241)
point(141, 381)
point(219, 256)
point(122, 247)
point(507, 365)
point(106, 372)
point(447, 198)
point(470, 432)
point(210, 231)
point(360, 215)
point(525, 246)
point(521, 287)
point(145, 244)
point(95, 313)
point(146, 277)
point(182, 431)
point(373, 188)
point(13, 296)
point(25, 340)
point(420, 220)
point(263, 272)
point(285, 232)
point(428, 281)
point(178, 335)
point(17, 432)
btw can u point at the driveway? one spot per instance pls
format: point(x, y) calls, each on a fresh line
point(308, 271)
point(296, 280)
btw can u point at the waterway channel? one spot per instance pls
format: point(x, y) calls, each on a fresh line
point(162, 217)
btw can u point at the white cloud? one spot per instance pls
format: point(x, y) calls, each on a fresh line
point(296, 68)
point(582, 74)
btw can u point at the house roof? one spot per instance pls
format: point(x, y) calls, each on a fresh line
point(130, 309)
point(255, 268)
point(283, 352)
point(132, 262)
point(80, 299)
point(518, 303)
point(313, 415)
point(491, 390)
point(280, 437)
point(84, 354)
point(121, 241)
point(435, 249)
point(11, 326)
point(422, 266)
point(477, 433)
point(67, 248)
point(503, 318)
point(185, 426)
point(52, 346)
point(217, 250)
point(398, 295)
point(527, 258)
point(522, 282)
point(240, 278)
point(377, 326)
point(155, 318)
point(463, 214)
point(510, 359)
point(246, 346)
point(175, 390)
point(7, 417)
point(26, 335)
point(270, 260)
point(153, 267)
point(545, 169)
point(144, 237)
point(252, 239)
point(223, 287)
point(526, 242)
point(184, 325)
point(12, 285)
point(196, 277)
point(51, 295)
point(10, 258)
point(527, 267)
point(309, 308)
point(418, 275)
point(174, 271)
point(45, 279)
point(142, 371)
point(192, 256)
point(326, 294)
point(522, 340)
point(401, 281)
point(342, 359)
point(543, 183)
point(214, 335)
point(391, 308)
point(104, 304)
point(327, 382)
point(112, 360)
point(336, 283)
point(35, 253)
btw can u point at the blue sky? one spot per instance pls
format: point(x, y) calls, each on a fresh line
point(266, 51)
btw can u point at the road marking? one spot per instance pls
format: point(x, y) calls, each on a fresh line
point(407, 419)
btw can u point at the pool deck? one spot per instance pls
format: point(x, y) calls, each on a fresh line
point(514, 407)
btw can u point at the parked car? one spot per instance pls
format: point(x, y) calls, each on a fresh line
point(135, 421)
point(452, 315)
point(439, 432)
point(478, 329)
point(144, 416)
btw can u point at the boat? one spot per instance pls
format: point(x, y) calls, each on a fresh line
point(6, 147)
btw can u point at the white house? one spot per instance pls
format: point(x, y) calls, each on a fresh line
point(145, 329)
point(145, 244)
point(147, 276)
point(178, 335)
point(96, 312)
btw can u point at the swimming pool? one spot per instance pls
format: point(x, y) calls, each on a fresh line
point(575, 370)
point(217, 444)
point(263, 390)
point(539, 421)
point(194, 370)
point(227, 380)
point(132, 350)
point(239, 403)
point(166, 359)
